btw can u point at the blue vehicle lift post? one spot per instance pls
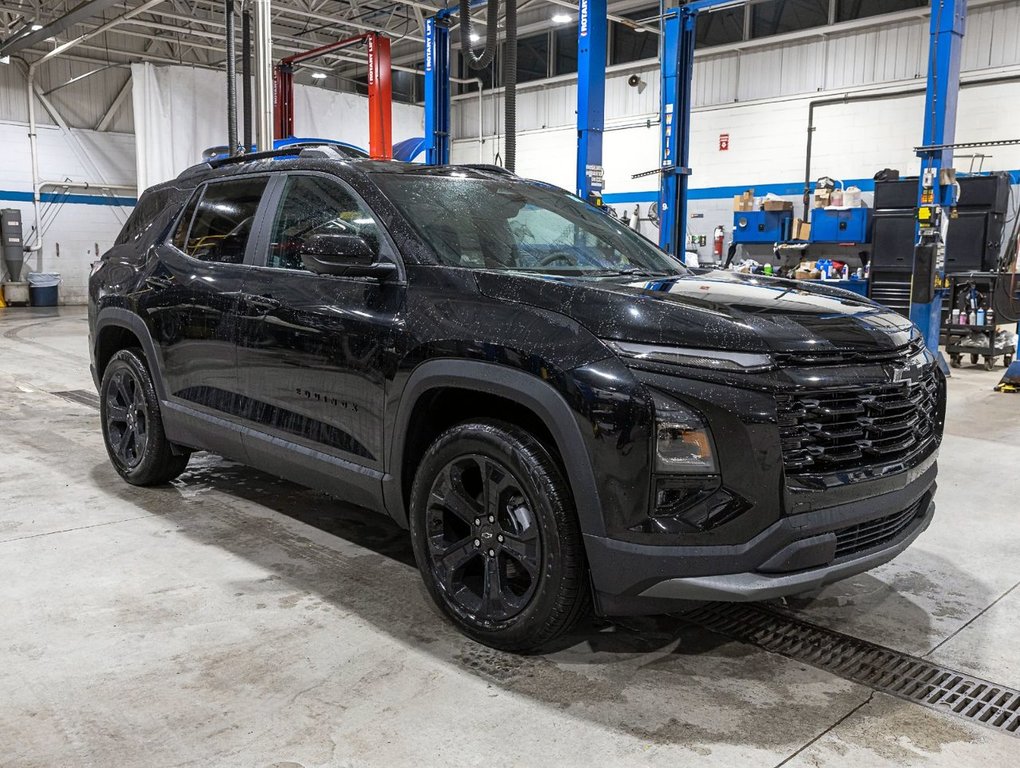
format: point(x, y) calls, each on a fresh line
point(437, 84)
point(679, 27)
point(437, 89)
point(592, 26)
point(936, 187)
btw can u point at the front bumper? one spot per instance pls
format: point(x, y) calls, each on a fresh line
point(796, 554)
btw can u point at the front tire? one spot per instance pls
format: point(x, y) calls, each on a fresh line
point(496, 536)
point(132, 424)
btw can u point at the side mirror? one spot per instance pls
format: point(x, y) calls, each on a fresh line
point(336, 253)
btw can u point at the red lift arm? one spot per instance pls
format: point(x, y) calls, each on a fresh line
point(380, 91)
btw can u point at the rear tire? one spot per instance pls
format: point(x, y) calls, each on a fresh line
point(132, 424)
point(496, 536)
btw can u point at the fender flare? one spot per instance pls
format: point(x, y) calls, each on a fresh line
point(122, 318)
point(512, 384)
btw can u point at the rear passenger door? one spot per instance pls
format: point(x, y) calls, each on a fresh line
point(316, 350)
point(193, 315)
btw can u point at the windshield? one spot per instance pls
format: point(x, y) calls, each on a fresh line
point(520, 226)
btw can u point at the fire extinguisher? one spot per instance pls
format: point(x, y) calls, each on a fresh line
point(717, 242)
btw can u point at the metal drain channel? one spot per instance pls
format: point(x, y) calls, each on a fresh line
point(80, 396)
point(883, 669)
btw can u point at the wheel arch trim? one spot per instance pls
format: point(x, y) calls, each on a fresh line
point(118, 317)
point(523, 389)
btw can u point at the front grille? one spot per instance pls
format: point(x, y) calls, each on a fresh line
point(874, 533)
point(849, 428)
point(848, 356)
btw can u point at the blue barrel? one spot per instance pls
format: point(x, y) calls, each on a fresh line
point(43, 289)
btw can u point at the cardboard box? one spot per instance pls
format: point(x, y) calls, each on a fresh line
point(777, 205)
point(822, 198)
point(801, 230)
point(744, 201)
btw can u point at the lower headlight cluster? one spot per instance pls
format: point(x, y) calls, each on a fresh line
point(683, 443)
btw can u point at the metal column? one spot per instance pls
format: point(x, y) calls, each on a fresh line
point(437, 89)
point(936, 187)
point(380, 97)
point(675, 126)
point(380, 90)
point(228, 15)
point(263, 76)
point(591, 97)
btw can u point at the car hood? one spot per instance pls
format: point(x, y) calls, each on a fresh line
point(718, 310)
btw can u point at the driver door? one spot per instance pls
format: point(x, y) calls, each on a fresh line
point(316, 350)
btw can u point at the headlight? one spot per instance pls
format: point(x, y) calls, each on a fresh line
point(718, 360)
point(683, 442)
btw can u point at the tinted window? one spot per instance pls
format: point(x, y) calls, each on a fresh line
point(631, 44)
point(520, 226)
point(314, 205)
point(778, 16)
point(181, 232)
point(148, 209)
point(532, 58)
point(224, 220)
point(565, 40)
point(856, 9)
point(720, 27)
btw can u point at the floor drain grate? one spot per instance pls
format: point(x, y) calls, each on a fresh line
point(80, 396)
point(883, 669)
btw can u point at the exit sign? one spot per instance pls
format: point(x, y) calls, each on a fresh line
point(724, 142)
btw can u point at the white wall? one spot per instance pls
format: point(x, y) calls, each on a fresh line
point(75, 228)
point(180, 111)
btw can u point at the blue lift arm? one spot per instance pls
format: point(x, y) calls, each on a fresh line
point(936, 195)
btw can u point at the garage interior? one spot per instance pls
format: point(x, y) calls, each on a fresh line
point(232, 618)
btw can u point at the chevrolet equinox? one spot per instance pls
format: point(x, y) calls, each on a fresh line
point(564, 417)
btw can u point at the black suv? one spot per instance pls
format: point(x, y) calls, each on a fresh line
point(563, 415)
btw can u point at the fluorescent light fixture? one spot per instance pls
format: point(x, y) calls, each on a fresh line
point(318, 75)
point(562, 18)
point(475, 37)
point(36, 27)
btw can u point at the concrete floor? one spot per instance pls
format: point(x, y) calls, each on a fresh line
point(233, 619)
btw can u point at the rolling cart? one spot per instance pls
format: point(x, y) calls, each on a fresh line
point(967, 292)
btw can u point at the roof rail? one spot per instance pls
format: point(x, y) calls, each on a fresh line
point(327, 151)
point(298, 149)
point(491, 167)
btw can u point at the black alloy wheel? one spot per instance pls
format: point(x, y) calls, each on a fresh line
point(496, 536)
point(126, 417)
point(485, 549)
point(132, 424)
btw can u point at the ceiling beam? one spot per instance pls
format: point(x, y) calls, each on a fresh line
point(83, 12)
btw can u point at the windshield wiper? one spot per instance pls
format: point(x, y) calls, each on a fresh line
point(635, 272)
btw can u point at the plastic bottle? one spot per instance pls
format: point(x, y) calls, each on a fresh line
point(769, 270)
point(980, 317)
point(970, 317)
point(955, 317)
point(990, 317)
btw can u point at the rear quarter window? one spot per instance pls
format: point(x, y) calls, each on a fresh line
point(145, 214)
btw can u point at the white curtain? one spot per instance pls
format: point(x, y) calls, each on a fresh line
point(181, 111)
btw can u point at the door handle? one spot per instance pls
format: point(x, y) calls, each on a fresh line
point(159, 282)
point(262, 302)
